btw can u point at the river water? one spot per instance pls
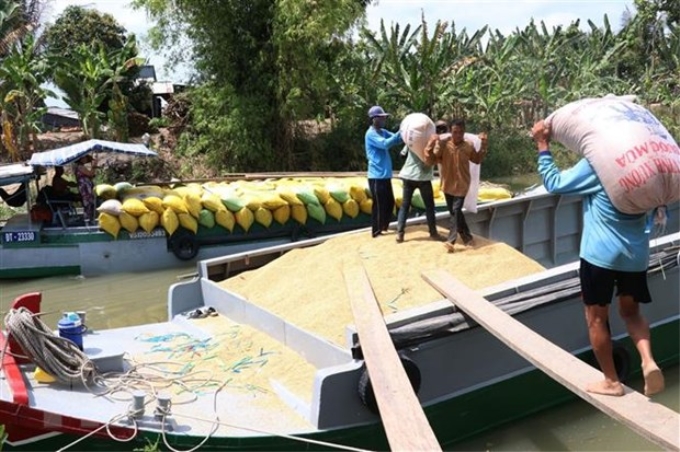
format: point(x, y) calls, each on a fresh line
point(131, 299)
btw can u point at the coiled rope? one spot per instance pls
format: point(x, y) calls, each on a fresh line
point(57, 356)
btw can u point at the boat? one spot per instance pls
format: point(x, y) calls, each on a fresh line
point(55, 240)
point(288, 385)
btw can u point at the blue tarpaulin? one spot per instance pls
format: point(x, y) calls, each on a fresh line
point(71, 153)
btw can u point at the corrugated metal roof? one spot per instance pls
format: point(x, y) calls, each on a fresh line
point(65, 112)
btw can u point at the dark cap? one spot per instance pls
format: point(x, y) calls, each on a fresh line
point(376, 111)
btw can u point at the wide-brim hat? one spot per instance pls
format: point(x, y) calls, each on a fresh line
point(377, 111)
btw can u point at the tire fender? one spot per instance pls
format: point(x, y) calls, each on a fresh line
point(621, 362)
point(184, 246)
point(366, 388)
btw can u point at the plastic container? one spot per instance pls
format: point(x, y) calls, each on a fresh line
point(71, 328)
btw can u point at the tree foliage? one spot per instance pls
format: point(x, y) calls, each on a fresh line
point(285, 84)
point(80, 26)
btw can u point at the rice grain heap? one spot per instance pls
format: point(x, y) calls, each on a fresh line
point(306, 286)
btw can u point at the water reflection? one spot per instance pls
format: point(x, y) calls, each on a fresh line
point(110, 301)
point(574, 426)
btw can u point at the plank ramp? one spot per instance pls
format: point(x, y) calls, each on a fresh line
point(651, 420)
point(405, 422)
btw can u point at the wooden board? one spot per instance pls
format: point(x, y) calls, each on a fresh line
point(651, 420)
point(405, 422)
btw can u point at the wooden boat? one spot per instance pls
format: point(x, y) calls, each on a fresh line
point(287, 385)
point(62, 244)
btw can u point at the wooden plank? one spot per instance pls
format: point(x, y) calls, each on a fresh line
point(651, 420)
point(405, 422)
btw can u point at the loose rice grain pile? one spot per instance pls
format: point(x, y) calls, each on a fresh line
point(306, 286)
point(239, 355)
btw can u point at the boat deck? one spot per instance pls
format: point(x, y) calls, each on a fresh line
point(184, 360)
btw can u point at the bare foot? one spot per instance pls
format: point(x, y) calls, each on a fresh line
point(605, 387)
point(654, 382)
point(449, 247)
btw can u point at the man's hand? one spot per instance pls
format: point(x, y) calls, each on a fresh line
point(484, 138)
point(540, 132)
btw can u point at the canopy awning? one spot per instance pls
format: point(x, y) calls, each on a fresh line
point(16, 173)
point(71, 153)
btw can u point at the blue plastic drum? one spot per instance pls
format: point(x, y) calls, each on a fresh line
point(71, 329)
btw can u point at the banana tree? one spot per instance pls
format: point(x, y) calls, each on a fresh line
point(92, 77)
point(23, 72)
point(418, 69)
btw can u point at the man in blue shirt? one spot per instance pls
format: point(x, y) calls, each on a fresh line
point(614, 254)
point(378, 142)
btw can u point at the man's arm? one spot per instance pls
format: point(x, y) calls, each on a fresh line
point(580, 179)
point(432, 152)
point(384, 143)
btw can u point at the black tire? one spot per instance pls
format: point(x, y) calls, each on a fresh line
point(366, 388)
point(621, 362)
point(184, 245)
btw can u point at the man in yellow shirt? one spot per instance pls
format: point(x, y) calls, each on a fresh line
point(455, 154)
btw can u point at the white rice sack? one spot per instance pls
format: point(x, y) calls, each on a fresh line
point(636, 159)
point(111, 206)
point(470, 203)
point(416, 130)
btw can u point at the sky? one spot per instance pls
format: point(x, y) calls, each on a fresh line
point(504, 15)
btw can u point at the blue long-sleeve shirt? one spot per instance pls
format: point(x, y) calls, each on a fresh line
point(610, 239)
point(378, 144)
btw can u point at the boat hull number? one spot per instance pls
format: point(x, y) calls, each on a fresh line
point(16, 237)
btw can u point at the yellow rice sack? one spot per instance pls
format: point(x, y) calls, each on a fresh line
point(134, 207)
point(252, 201)
point(105, 191)
point(245, 218)
point(188, 222)
point(145, 191)
point(493, 193)
point(193, 203)
point(333, 208)
point(155, 204)
point(351, 208)
point(437, 188)
point(289, 196)
point(264, 217)
point(282, 214)
point(212, 202)
point(366, 206)
point(189, 189)
point(175, 203)
point(322, 193)
point(149, 221)
point(128, 222)
point(357, 193)
point(225, 219)
point(272, 201)
point(299, 213)
point(169, 221)
point(109, 223)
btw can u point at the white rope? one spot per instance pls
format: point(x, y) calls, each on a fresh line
point(57, 356)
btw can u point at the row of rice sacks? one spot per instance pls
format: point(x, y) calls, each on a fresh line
point(226, 204)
